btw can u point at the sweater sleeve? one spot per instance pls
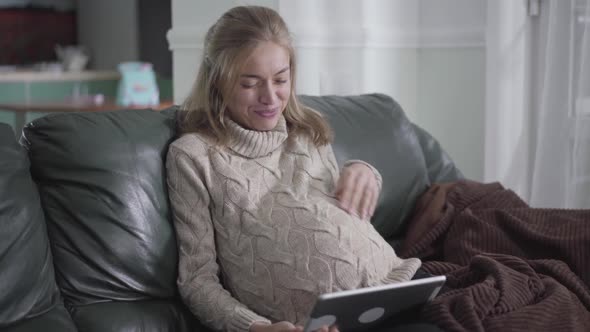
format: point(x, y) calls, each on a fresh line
point(198, 271)
point(327, 154)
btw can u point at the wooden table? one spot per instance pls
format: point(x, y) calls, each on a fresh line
point(76, 106)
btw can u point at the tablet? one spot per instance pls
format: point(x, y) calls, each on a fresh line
point(363, 308)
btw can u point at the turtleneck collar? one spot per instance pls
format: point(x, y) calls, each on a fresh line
point(255, 144)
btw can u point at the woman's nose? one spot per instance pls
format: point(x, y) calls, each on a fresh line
point(268, 94)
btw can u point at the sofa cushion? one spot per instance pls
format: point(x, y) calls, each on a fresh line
point(140, 316)
point(375, 129)
point(56, 320)
point(439, 164)
point(27, 281)
point(102, 183)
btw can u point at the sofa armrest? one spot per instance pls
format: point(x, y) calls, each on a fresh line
point(439, 164)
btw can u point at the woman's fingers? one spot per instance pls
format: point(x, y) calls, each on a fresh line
point(366, 202)
point(288, 327)
point(357, 191)
point(375, 200)
point(344, 192)
point(324, 328)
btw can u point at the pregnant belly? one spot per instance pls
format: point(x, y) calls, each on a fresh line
point(314, 247)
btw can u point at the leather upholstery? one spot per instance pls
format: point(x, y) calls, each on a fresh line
point(27, 282)
point(56, 320)
point(375, 129)
point(102, 182)
point(140, 316)
point(439, 165)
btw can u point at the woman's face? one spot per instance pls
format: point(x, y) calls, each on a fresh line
point(263, 88)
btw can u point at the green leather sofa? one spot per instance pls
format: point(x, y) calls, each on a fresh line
point(86, 238)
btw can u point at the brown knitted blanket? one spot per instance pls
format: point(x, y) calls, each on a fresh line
point(509, 267)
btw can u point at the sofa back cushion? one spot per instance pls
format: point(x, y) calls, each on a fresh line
point(27, 282)
point(102, 182)
point(375, 129)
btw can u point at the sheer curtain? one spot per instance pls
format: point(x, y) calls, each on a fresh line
point(560, 140)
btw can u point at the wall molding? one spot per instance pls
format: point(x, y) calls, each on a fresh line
point(453, 38)
point(326, 37)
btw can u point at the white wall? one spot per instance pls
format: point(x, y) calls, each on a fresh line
point(451, 79)
point(427, 54)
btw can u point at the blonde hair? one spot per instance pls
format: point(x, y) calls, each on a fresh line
point(227, 44)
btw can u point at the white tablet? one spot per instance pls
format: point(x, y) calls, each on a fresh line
point(361, 309)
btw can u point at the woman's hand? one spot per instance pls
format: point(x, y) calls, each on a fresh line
point(276, 327)
point(286, 327)
point(358, 190)
point(325, 328)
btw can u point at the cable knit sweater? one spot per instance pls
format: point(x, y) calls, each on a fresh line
point(260, 212)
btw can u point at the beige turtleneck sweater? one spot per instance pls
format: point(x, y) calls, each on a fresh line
point(261, 213)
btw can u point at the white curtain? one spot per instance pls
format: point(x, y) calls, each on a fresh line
point(560, 142)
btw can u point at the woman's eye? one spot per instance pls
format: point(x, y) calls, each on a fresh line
point(281, 81)
point(248, 85)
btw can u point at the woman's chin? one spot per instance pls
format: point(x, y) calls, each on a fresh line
point(266, 123)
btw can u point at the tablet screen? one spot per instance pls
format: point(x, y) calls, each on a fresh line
point(363, 308)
